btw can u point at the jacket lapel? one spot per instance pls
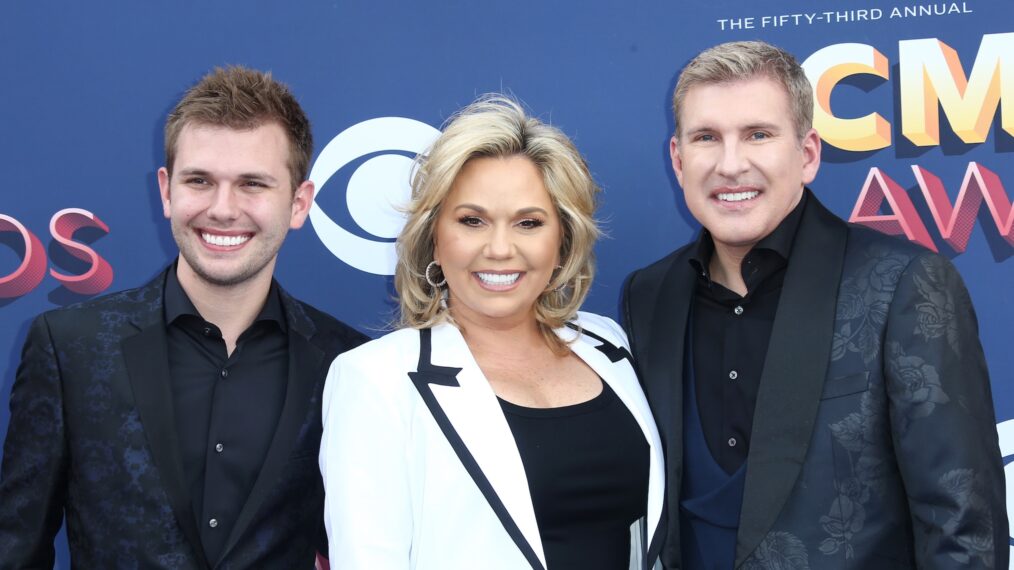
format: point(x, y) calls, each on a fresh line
point(794, 371)
point(663, 378)
point(305, 372)
point(613, 364)
point(147, 364)
point(466, 409)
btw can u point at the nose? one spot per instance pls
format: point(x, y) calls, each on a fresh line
point(500, 244)
point(733, 160)
point(224, 204)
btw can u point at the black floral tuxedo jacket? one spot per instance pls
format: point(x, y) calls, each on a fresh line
point(874, 440)
point(92, 437)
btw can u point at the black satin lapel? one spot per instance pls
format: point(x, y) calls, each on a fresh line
point(305, 371)
point(611, 351)
point(654, 549)
point(147, 361)
point(794, 371)
point(664, 375)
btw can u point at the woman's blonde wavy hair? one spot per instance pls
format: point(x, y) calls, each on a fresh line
point(497, 126)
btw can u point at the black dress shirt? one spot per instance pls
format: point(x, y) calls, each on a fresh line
point(730, 339)
point(226, 406)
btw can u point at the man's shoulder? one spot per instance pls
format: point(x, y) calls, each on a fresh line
point(863, 240)
point(331, 333)
point(121, 305)
point(655, 272)
point(868, 242)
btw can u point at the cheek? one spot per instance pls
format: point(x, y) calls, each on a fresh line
point(449, 249)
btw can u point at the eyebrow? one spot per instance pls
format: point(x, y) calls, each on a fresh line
point(763, 126)
point(521, 212)
point(257, 176)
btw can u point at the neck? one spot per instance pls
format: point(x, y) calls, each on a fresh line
point(232, 308)
point(488, 335)
point(726, 267)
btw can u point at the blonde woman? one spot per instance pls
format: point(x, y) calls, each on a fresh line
point(500, 428)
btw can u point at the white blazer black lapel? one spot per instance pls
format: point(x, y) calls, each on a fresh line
point(613, 363)
point(466, 409)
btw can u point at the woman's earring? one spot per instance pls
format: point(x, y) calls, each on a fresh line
point(432, 283)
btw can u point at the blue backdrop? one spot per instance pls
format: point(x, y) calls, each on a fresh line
point(86, 87)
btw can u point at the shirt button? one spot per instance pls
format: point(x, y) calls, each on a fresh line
point(225, 373)
point(732, 443)
point(213, 523)
point(733, 375)
point(738, 310)
point(219, 448)
point(207, 331)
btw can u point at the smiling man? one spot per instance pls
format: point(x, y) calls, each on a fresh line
point(820, 387)
point(177, 425)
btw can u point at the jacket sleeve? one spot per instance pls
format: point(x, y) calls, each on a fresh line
point(33, 478)
point(363, 460)
point(942, 420)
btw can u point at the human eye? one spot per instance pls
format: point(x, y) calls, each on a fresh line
point(254, 185)
point(470, 221)
point(705, 138)
point(530, 223)
point(759, 135)
point(197, 181)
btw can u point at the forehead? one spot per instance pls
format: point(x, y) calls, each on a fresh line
point(754, 99)
point(511, 182)
point(266, 143)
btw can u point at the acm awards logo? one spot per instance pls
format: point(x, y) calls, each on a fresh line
point(931, 83)
point(34, 262)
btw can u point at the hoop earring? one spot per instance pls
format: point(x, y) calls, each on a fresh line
point(429, 279)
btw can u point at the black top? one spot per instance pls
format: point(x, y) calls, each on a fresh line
point(731, 335)
point(587, 468)
point(226, 406)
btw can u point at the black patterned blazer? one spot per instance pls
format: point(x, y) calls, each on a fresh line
point(874, 439)
point(92, 437)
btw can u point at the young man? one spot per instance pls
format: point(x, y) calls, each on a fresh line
point(177, 425)
point(820, 387)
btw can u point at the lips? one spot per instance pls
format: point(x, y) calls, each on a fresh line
point(498, 281)
point(737, 196)
point(221, 240)
point(498, 278)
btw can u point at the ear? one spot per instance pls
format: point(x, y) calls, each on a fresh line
point(163, 190)
point(810, 146)
point(302, 199)
point(677, 161)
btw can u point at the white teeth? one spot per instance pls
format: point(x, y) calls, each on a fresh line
point(737, 196)
point(499, 278)
point(223, 241)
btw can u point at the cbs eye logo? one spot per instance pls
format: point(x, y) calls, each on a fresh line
point(375, 191)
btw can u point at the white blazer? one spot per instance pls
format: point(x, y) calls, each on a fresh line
point(421, 470)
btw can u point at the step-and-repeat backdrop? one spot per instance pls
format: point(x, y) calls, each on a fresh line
point(915, 104)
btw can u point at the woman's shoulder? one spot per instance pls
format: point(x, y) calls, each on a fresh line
point(387, 348)
point(601, 326)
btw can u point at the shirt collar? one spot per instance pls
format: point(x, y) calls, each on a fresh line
point(779, 241)
point(178, 304)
